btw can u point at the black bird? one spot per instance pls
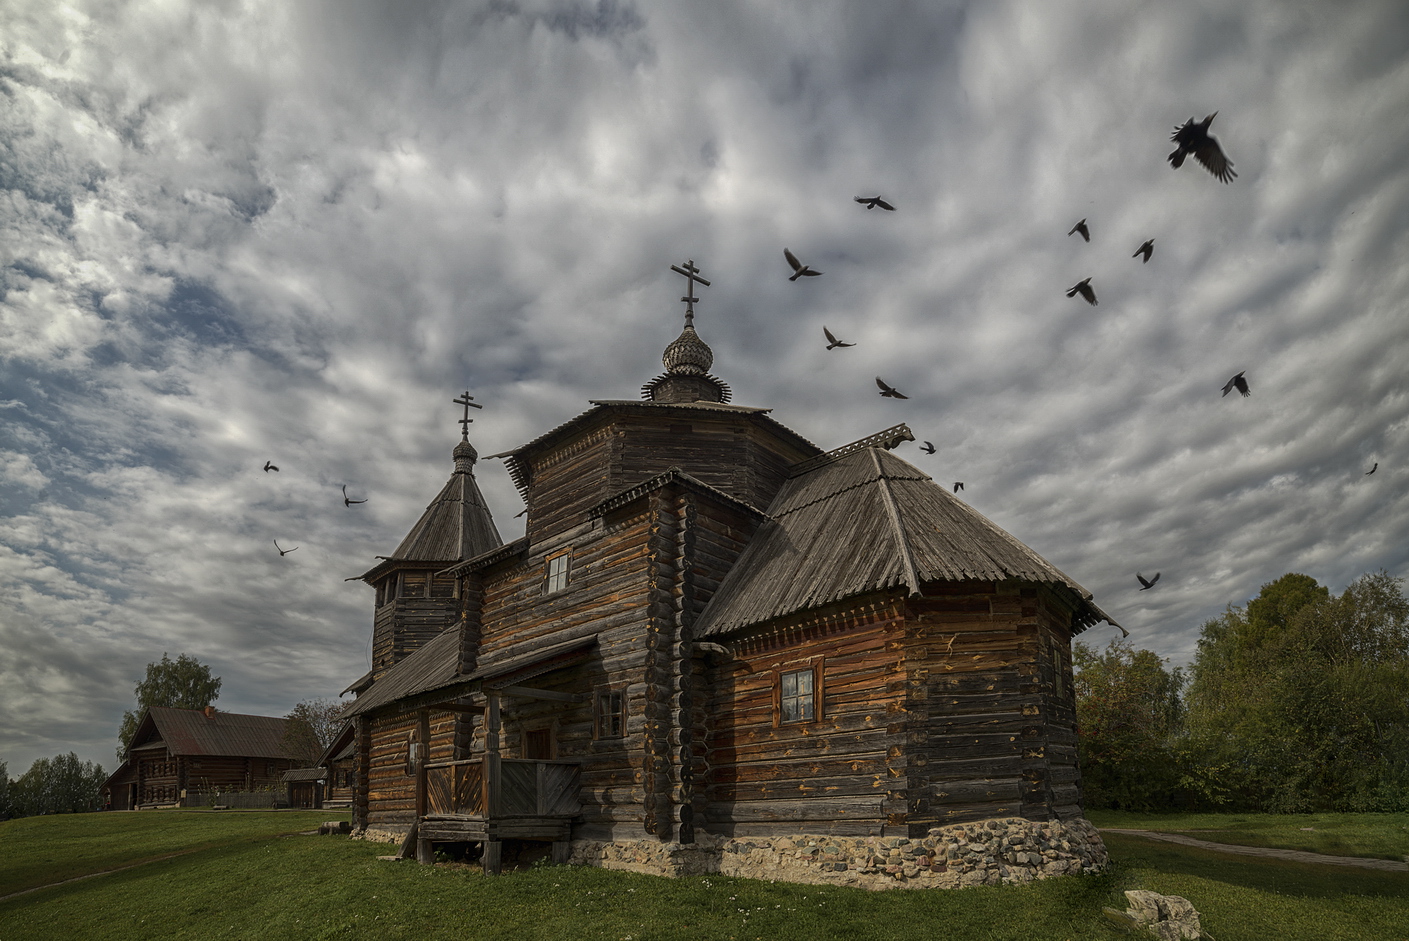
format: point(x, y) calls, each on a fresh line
point(958, 485)
point(1147, 583)
point(833, 342)
point(927, 448)
point(888, 392)
point(346, 500)
point(871, 202)
point(1147, 250)
point(1193, 138)
point(1239, 383)
point(1084, 289)
point(799, 269)
point(1081, 227)
point(269, 466)
point(283, 552)
point(1373, 469)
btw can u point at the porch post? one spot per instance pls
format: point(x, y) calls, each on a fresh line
point(492, 847)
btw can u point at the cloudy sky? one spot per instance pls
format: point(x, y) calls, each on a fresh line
point(293, 230)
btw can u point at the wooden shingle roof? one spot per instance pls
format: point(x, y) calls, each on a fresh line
point(433, 667)
point(455, 526)
point(192, 732)
point(866, 521)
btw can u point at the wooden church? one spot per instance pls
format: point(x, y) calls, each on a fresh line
point(711, 626)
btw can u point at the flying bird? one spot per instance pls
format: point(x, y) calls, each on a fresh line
point(269, 466)
point(833, 342)
point(346, 500)
point(958, 485)
point(888, 392)
point(1081, 227)
point(1193, 138)
point(927, 448)
point(799, 269)
point(283, 552)
point(1147, 583)
point(871, 202)
point(1239, 383)
point(1084, 289)
point(1147, 250)
point(1373, 469)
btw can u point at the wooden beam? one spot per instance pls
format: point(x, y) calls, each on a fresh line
point(526, 692)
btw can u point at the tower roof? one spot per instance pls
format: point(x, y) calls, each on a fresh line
point(456, 525)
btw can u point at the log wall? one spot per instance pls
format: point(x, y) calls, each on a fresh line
point(842, 772)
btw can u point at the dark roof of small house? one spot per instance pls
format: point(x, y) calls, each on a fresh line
point(191, 732)
point(514, 460)
point(434, 665)
point(304, 774)
point(127, 771)
point(863, 522)
point(456, 525)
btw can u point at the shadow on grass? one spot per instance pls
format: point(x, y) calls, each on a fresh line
point(1266, 874)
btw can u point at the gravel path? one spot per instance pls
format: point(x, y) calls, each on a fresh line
point(1300, 856)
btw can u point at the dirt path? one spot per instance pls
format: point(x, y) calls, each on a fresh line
point(1299, 856)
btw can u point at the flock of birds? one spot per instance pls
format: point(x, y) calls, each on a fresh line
point(346, 501)
point(1191, 138)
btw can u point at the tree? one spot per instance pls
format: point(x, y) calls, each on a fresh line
point(6, 812)
point(183, 683)
point(1301, 701)
point(311, 728)
point(59, 785)
point(1128, 713)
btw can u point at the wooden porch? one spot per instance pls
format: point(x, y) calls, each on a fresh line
point(491, 799)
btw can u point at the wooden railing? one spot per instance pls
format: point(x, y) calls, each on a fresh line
point(515, 788)
point(455, 787)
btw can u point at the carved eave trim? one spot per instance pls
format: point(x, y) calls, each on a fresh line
point(510, 550)
point(673, 475)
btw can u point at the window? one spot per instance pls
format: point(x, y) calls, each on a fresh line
point(557, 572)
point(797, 696)
point(609, 715)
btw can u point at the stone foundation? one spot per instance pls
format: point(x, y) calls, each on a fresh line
point(375, 835)
point(986, 852)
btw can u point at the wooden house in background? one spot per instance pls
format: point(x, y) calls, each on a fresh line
point(712, 625)
point(176, 753)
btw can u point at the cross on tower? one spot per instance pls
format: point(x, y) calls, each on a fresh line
point(468, 401)
point(692, 276)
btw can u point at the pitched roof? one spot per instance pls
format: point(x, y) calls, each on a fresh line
point(456, 525)
point(865, 521)
point(191, 732)
point(434, 665)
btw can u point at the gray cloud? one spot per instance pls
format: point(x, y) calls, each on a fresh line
point(296, 231)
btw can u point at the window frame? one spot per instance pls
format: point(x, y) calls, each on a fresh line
point(603, 710)
point(563, 578)
point(814, 669)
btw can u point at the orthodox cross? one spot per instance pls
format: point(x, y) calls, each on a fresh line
point(692, 276)
point(468, 401)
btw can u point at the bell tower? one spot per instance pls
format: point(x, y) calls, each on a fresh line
point(413, 602)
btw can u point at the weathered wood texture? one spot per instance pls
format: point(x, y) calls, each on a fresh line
point(163, 779)
point(990, 719)
point(738, 452)
point(408, 621)
point(838, 772)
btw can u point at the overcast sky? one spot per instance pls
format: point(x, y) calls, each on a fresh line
point(288, 230)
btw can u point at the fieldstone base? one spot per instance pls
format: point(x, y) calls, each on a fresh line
point(374, 835)
point(987, 852)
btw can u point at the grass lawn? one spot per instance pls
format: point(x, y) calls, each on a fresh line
point(1378, 836)
point(43, 850)
point(332, 887)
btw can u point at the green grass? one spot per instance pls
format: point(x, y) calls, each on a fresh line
point(334, 888)
point(43, 850)
point(1377, 836)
